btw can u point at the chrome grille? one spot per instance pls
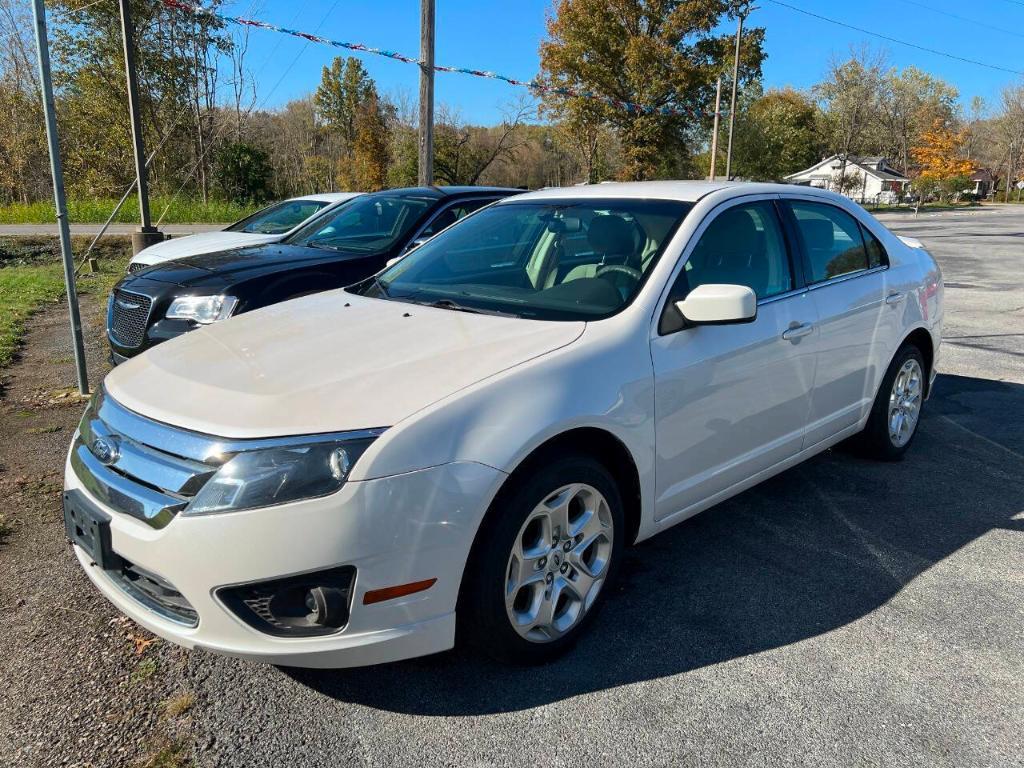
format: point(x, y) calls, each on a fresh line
point(155, 593)
point(135, 476)
point(129, 313)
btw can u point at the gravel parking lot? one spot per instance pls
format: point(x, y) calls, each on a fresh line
point(843, 613)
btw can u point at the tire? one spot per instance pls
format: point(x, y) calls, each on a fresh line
point(879, 440)
point(516, 553)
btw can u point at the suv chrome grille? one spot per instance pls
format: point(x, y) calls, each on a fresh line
point(129, 313)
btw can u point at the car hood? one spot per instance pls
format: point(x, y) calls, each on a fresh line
point(329, 362)
point(226, 267)
point(204, 242)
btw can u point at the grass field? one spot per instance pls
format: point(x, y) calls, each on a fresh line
point(31, 276)
point(96, 211)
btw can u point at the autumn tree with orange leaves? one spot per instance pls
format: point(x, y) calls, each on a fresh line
point(943, 166)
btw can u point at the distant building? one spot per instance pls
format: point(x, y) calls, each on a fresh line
point(984, 183)
point(868, 179)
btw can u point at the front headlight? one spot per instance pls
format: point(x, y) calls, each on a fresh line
point(261, 478)
point(202, 309)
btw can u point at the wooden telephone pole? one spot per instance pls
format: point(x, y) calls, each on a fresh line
point(426, 165)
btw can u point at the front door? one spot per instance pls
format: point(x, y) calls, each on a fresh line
point(733, 400)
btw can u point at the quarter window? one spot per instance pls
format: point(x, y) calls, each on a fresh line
point(832, 240)
point(876, 253)
point(743, 245)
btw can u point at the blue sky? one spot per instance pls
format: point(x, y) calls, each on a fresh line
point(503, 36)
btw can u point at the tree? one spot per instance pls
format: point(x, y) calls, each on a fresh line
point(940, 158)
point(370, 148)
point(909, 103)
point(344, 88)
point(777, 134)
point(849, 99)
point(660, 54)
point(243, 173)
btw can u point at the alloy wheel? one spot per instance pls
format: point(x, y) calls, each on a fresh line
point(905, 402)
point(559, 562)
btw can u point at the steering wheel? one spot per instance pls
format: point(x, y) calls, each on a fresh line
point(636, 274)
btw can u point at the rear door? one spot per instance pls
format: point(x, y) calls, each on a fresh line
point(732, 400)
point(847, 286)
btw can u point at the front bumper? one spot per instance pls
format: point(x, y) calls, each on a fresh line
point(394, 530)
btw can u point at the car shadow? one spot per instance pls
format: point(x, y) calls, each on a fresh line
point(811, 550)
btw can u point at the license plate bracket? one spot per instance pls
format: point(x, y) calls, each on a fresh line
point(89, 527)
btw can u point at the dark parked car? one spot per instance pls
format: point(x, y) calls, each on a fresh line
point(339, 248)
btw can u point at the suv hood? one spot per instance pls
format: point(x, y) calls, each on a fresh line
point(329, 362)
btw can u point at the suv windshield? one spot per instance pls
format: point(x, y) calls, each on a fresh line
point(559, 259)
point(371, 223)
point(278, 219)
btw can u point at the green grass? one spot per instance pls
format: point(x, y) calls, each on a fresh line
point(95, 211)
point(31, 276)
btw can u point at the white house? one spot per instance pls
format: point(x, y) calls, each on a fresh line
point(868, 179)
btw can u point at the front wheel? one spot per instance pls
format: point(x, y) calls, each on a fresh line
point(544, 559)
point(897, 408)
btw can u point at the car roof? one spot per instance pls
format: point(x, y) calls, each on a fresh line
point(328, 197)
point(451, 191)
point(687, 191)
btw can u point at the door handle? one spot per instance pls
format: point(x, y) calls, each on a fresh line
point(797, 331)
point(894, 298)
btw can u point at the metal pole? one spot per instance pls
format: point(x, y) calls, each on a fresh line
point(53, 143)
point(714, 135)
point(735, 79)
point(426, 171)
point(147, 234)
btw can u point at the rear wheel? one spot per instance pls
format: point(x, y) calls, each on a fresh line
point(897, 408)
point(543, 561)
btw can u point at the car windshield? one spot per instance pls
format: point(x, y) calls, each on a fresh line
point(278, 219)
point(371, 224)
point(558, 259)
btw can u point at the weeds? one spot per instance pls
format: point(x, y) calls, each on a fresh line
point(95, 211)
point(178, 705)
point(144, 670)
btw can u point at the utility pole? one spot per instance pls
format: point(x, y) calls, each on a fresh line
point(743, 9)
point(146, 234)
point(426, 171)
point(53, 143)
point(714, 134)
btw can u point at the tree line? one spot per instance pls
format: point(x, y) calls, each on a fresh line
point(211, 133)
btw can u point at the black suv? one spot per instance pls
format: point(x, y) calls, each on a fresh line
point(345, 245)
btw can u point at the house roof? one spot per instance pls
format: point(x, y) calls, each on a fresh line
point(868, 165)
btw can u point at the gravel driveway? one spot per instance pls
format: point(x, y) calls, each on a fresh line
point(842, 613)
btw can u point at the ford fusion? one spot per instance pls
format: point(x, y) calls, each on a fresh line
point(460, 447)
point(345, 244)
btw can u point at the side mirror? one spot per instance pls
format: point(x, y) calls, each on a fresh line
point(719, 304)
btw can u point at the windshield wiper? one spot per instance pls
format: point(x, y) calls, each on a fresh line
point(455, 306)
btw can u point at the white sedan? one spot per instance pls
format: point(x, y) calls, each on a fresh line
point(462, 446)
point(268, 225)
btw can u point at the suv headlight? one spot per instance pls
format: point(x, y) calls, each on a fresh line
point(202, 309)
point(268, 476)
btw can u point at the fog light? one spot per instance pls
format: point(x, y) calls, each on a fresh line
point(297, 606)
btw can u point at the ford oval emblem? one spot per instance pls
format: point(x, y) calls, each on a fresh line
point(106, 450)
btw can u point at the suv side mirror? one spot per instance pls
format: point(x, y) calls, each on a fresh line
point(719, 304)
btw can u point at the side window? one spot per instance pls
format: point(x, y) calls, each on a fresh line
point(743, 245)
point(877, 256)
point(832, 239)
point(451, 214)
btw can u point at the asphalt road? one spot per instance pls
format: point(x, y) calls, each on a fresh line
point(175, 230)
point(843, 613)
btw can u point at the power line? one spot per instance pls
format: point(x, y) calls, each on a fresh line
point(897, 40)
point(964, 18)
